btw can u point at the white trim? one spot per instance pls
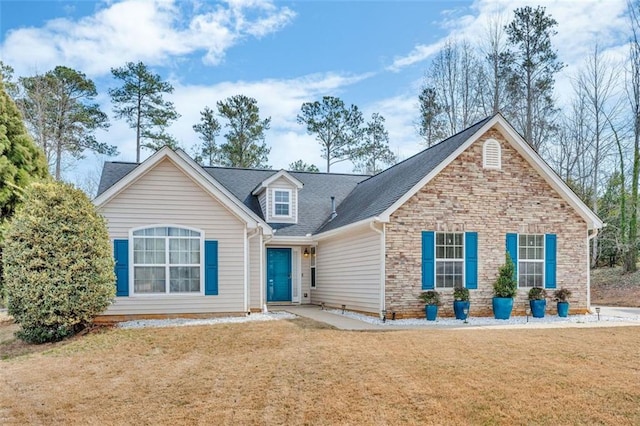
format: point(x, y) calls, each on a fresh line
point(195, 172)
point(289, 203)
point(291, 240)
point(167, 292)
point(463, 260)
point(543, 261)
point(523, 149)
point(346, 228)
point(296, 268)
point(282, 173)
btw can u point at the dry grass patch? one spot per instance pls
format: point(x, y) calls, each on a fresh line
point(610, 287)
point(300, 372)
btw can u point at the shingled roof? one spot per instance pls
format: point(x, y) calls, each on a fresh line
point(358, 197)
point(376, 194)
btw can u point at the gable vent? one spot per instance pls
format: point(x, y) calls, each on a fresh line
point(491, 158)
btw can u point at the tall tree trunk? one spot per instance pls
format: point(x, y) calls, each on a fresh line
point(631, 258)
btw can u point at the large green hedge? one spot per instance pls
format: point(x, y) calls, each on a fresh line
point(58, 263)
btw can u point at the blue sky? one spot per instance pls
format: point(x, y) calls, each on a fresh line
point(369, 53)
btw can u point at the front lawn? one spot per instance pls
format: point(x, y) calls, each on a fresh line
point(301, 372)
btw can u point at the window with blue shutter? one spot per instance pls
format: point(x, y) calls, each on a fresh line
point(210, 268)
point(428, 260)
point(550, 248)
point(121, 256)
point(471, 260)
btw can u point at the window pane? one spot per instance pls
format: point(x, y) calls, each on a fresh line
point(439, 252)
point(149, 279)
point(458, 239)
point(184, 279)
point(458, 253)
point(282, 209)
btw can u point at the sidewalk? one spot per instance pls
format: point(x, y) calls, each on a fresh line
point(609, 317)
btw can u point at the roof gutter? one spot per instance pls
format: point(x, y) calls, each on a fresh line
point(347, 228)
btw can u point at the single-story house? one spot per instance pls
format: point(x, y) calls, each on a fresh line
point(193, 240)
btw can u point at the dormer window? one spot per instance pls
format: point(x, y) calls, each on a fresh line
point(282, 202)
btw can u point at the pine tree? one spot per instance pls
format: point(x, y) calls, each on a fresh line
point(60, 110)
point(208, 128)
point(245, 146)
point(338, 128)
point(374, 153)
point(139, 100)
point(301, 166)
point(533, 64)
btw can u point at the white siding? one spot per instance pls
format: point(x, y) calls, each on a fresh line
point(282, 183)
point(348, 271)
point(165, 195)
point(255, 272)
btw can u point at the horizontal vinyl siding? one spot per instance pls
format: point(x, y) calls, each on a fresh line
point(254, 273)
point(348, 271)
point(165, 195)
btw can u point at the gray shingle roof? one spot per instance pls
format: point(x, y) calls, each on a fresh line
point(358, 197)
point(314, 199)
point(374, 195)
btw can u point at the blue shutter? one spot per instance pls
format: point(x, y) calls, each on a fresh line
point(121, 256)
point(428, 260)
point(471, 260)
point(210, 268)
point(550, 261)
point(512, 249)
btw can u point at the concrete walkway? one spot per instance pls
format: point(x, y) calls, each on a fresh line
point(338, 321)
point(622, 316)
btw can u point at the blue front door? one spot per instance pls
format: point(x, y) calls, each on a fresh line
point(278, 275)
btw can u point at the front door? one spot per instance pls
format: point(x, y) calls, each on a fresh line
point(278, 275)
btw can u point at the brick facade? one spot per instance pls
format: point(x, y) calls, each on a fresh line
point(466, 197)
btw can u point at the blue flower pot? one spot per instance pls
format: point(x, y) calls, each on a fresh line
point(458, 308)
point(502, 307)
point(563, 309)
point(431, 311)
point(538, 307)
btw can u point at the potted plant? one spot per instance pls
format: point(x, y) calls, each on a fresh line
point(461, 303)
point(431, 299)
point(561, 295)
point(505, 289)
point(538, 301)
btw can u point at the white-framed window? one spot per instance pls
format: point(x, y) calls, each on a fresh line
point(282, 202)
point(530, 260)
point(167, 260)
point(491, 154)
point(449, 259)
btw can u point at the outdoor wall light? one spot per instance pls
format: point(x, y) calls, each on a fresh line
point(598, 312)
point(528, 312)
point(393, 315)
point(466, 314)
point(384, 315)
point(306, 252)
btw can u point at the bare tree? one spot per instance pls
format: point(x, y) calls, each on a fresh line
point(495, 61)
point(454, 75)
point(597, 85)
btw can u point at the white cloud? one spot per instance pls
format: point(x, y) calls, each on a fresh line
point(149, 31)
point(581, 24)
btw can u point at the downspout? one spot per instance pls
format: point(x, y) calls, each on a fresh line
point(247, 301)
point(589, 238)
point(382, 260)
